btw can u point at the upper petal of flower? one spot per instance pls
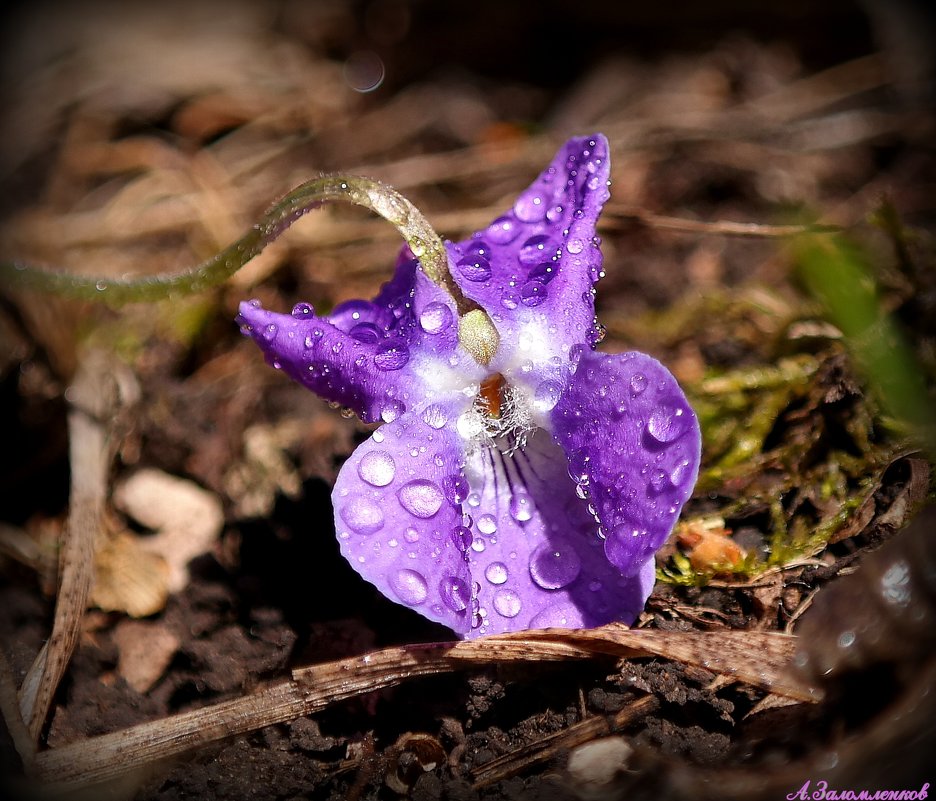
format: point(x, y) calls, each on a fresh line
point(378, 358)
point(633, 445)
point(532, 269)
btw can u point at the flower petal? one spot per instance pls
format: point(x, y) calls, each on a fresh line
point(377, 358)
point(533, 268)
point(398, 515)
point(633, 442)
point(536, 559)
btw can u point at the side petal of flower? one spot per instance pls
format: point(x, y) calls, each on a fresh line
point(398, 515)
point(536, 558)
point(634, 446)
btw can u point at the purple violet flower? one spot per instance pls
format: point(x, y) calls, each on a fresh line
point(523, 489)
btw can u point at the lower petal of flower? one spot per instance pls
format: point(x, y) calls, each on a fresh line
point(398, 517)
point(536, 559)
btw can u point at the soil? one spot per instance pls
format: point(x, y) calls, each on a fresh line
point(150, 138)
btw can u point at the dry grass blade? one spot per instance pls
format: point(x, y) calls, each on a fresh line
point(618, 214)
point(311, 689)
point(515, 762)
point(99, 395)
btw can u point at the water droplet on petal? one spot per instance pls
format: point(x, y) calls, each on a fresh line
point(455, 592)
point(554, 566)
point(411, 535)
point(303, 311)
point(560, 615)
point(487, 524)
point(362, 515)
point(478, 545)
point(434, 416)
point(469, 425)
point(625, 547)
point(532, 293)
point(530, 206)
point(507, 603)
point(391, 355)
point(535, 250)
point(510, 299)
point(367, 333)
point(503, 230)
point(377, 468)
point(496, 573)
point(435, 318)
point(456, 488)
point(462, 538)
point(544, 273)
point(575, 245)
point(421, 498)
point(409, 586)
point(638, 383)
point(546, 396)
point(667, 422)
point(521, 507)
point(390, 412)
point(269, 332)
point(658, 480)
point(474, 268)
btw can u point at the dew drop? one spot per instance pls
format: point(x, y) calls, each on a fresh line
point(543, 273)
point(658, 480)
point(362, 515)
point(469, 425)
point(546, 396)
point(575, 245)
point(435, 318)
point(530, 206)
point(638, 383)
point(409, 586)
point(455, 593)
point(503, 230)
point(680, 473)
point(487, 524)
point(510, 299)
point(421, 498)
point(474, 499)
point(625, 546)
point(478, 545)
point(411, 535)
point(303, 311)
point(456, 488)
point(554, 566)
point(368, 333)
point(535, 250)
point(378, 436)
point(391, 355)
point(496, 573)
point(390, 412)
point(532, 293)
point(474, 268)
point(434, 416)
point(559, 615)
point(507, 603)
point(462, 537)
point(377, 468)
point(269, 332)
point(521, 507)
point(667, 422)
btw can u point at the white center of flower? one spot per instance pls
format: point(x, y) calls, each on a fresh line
point(499, 417)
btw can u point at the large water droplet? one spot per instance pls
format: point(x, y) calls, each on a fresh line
point(368, 333)
point(503, 230)
point(547, 395)
point(474, 268)
point(560, 615)
point(554, 566)
point(680, 473)
point(532, 293)
point(391, 355)
point(667, 422)
point(456, 488)
point(507, 603)
point(496, 573)
point(435, 318)
point(421, 498)
point(409, 586)
point(536, 249)
point(575, 245)
point(462, 538)
point(487, 524)
point(530, 206)
point(303, 311)
point(455, 592)
point(626, 545)
point(362, 515)
point(434, 416)
point(544, 272)
point(638, 383)
point(390, 412)
point(521, 507)
point(469, 425)
point(377, 468)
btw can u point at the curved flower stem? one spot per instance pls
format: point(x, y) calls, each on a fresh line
point(476, 330)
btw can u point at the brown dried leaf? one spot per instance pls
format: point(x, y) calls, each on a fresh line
point(128, 578)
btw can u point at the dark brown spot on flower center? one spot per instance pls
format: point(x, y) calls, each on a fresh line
point(492, 394)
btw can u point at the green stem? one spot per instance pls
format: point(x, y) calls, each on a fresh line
point(480, 336)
